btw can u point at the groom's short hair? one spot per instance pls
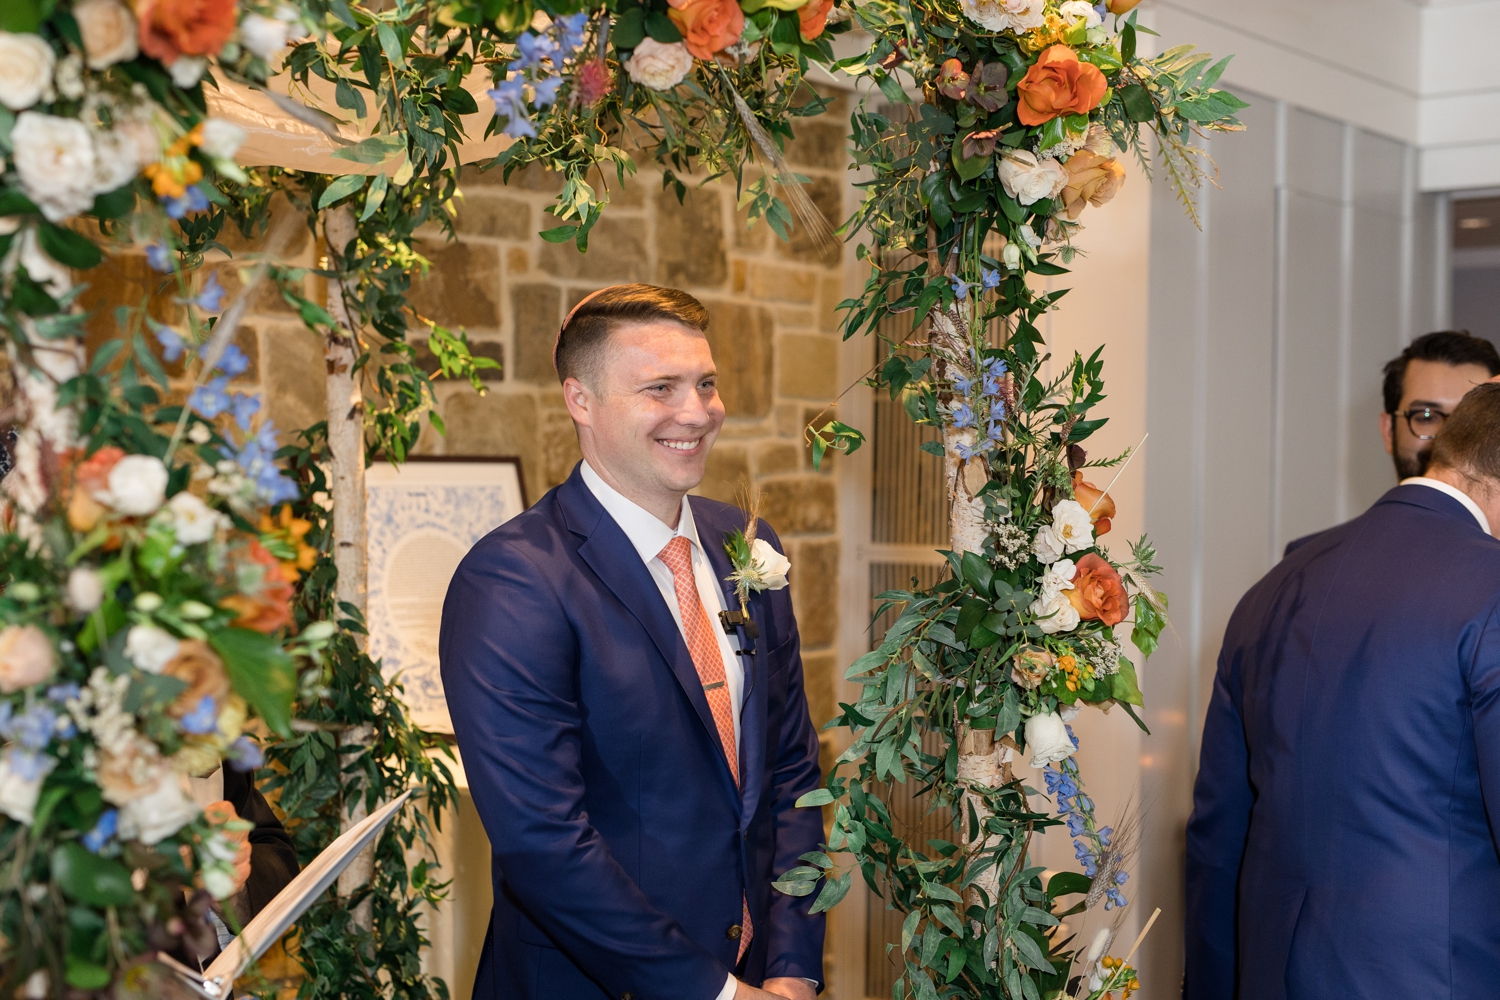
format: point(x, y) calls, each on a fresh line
point(584, 334)
point(1469, 442)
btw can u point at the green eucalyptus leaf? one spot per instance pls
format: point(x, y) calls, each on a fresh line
point(89, 879)
point(260, 672)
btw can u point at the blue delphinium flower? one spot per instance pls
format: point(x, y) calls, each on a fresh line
point(28, 765)
point(570, 32)
point(212, 399)
point(202, 719)
point(510, 103)
point(996, 429)
point(172, 344)
point(232, 361)
point(212, 295)
point(103, 831)
point(33, 728)
point(963, 385)
point(546, 90)
point(968, 451)
point(531, 49)
point(244, 407)
point(960, 288)
point(245, 755)
point(963, 415)
point(63, 692)
point(159, 257)
point(192, 200)
point(989, 279)
point(991, 387)
point(257, 459)
point(997, 367)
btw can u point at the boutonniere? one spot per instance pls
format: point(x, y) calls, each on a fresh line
point(757, 566)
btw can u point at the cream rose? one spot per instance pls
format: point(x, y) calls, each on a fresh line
point(1071, 530)
point(264, 36)
point(26, 64)
point(115, 162)
point(1058, 578)
point(151, 648)
point(109, 32)
point(85, 589)
point(1047, 738)
point(1073, 10)
point(1029, 181)
point(54, 158)
point(160, 811)
point(137, 485)
point(26, 657)
point(19, 793)
point(1055, 615)
point(193, 521)
point(658, 65)
point(769, 566)
point(1018, 16)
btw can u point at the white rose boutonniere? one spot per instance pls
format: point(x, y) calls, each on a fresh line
point(757, 566)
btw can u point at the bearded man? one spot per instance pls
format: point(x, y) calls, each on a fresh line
point(635, 755)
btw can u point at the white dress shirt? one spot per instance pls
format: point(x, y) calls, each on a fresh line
point(1455, 493)
point(650, 535)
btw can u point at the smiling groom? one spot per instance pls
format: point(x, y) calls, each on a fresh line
point(634, 756)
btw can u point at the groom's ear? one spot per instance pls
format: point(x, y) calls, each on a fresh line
point(580, 401)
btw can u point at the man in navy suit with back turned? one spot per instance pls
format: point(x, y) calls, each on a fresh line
point(1343, 837)
point(634, 757)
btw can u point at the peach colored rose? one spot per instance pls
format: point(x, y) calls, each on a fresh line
point(1031, 667)
point(198, 666)
point(172, 28)
point(91, 477)
point(1059, 84)
point(271, 608)
point(26, 657)
point(1092, 180)
point(1098, 592)
point(1100, 505)
point(813, 18)
point(707, 26)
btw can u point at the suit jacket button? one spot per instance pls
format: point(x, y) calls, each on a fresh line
point(734, 932)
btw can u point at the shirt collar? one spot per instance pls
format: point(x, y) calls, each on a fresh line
point(1455, 493)
point(647, 532)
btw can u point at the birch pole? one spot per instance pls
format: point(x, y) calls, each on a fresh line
point(346, 475)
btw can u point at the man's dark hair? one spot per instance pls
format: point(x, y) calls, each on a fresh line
point(1452, 347)
point(580, 343)
point(1470, 439)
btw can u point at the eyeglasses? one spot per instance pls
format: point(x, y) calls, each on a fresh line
point(1424, 422)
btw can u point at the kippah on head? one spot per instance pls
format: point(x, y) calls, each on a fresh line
point(582, 337)
point(1469, 441)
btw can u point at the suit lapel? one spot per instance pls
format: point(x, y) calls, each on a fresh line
point(617, 563)
point(711, 534)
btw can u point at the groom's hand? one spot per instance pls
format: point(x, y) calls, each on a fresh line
point(791, 989)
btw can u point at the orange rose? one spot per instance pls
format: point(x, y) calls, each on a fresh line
point(1059, 84)
point(1097, 591)
point(814, 17)
point(270, 608)
point(90, 477)
point(1092, 180)
point(1100, 505)
point(172, 28)
point(199, 667)
point(707, 26)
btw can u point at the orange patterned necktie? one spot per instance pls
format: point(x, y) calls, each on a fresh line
point(703, 646)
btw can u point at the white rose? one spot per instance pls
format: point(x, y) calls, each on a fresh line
point(222, 139)
point(18, 795)
point(115, 163)
point(1028, 181)
point(657, 65)
point(151, 648)
point(263, 36)
point(1026, 15)
point(1058, 578)
point(1055, 615)
point(1011, 256)
point(41, 268)
point(109, 32)
point(26, 64)
point(193, 521)
point(85, 589)
point(1073, 525)
point(137, 485)
point(1048, 739)
point(989, 14)
point(1072, 10)
point(1048, 545)
point(54, 159)
point(187, 70)
point(769, 565)
point(161, 811)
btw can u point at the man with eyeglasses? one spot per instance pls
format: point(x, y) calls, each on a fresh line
point(1422, 387)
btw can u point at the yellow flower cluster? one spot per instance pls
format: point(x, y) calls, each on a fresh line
point(1076, 674)
point(171, 176)
point(1132, 984)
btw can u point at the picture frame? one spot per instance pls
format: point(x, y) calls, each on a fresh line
point(421, 518)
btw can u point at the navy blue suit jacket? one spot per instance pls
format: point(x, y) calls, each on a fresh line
point(621, 847)
point(1342, 842)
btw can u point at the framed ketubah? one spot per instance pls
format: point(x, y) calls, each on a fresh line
point(422, 517)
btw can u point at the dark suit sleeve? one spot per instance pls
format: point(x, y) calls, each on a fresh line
point(508, 657)
point(795, 936)
point(273, 859)
point(1216, 834)
point(1484, 694)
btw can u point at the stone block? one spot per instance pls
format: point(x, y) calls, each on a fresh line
point(740, 277)
point(830, 294)
point(266, 298)
point(461, 288)
point(517, 261)
point(772, 458)
point(819, 675)
point(125, 279)
point(807, 366)
point(298, 235)
point(815, 590)
point(536, 313)
point(500, 424)
point(740, 336)
point(690, 238)
point(768, 282)
point(295, 378)
point(748, 237)
point(632, 193)
point(492, 349)
point(728, 473)
point(828, 195)
point(794, 318)
point(532, 178)
point(820, 143)
point(799, 505)
point(500, 218)
point(559, 447)
point(617, 252)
